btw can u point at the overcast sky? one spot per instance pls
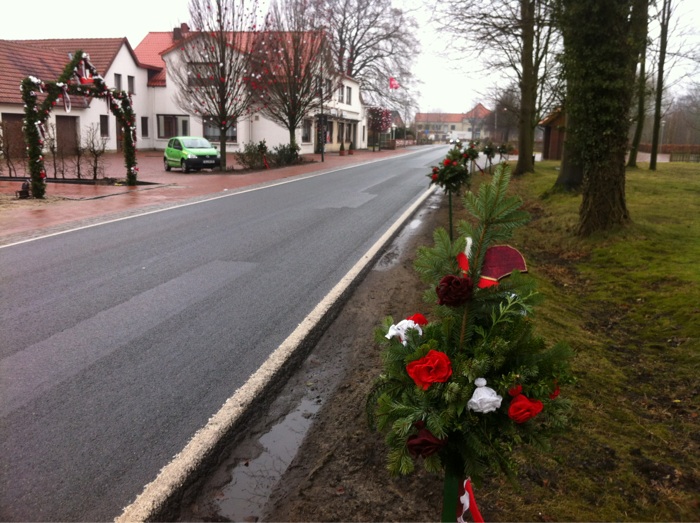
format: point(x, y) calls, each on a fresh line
point(446, 85)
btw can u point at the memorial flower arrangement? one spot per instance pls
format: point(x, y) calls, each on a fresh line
point(468, 383)
point(452, 175)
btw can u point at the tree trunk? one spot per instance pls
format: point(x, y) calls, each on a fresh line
point(665, 16)
point(528, 91)
point(641, 99)
point(571, 174)
point(603, 206)
point(222, 148)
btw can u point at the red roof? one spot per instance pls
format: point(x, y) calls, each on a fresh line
point(102, 51)
point(150, 48)
point(479, 112)
point(17, 61)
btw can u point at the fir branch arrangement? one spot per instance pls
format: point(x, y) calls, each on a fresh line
point(460, 392)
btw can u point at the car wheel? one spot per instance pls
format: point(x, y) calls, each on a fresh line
point(185, 168)
point(166, 164)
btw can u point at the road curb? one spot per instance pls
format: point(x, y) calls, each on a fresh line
point(161, 498)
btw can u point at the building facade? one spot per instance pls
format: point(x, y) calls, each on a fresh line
point(143, 71)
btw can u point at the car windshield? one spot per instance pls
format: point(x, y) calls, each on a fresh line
point(196, 143)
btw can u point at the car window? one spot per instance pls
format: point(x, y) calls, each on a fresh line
point(170, 143)
point(197, 143)
point(177, 145)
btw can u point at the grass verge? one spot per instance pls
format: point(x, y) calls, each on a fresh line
point(628, 302)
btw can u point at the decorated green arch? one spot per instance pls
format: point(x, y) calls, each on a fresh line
point(79, 78)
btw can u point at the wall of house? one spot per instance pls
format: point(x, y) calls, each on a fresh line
point(256, 127)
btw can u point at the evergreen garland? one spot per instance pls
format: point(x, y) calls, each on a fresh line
point(480, 331)
point(79, 78)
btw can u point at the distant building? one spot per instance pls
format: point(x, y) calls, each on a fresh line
point(443, 127)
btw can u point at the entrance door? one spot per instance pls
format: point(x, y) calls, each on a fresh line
point(66, 135)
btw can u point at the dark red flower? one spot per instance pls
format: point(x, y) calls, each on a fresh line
point(446, 162)
point(515, 390)
point(434, 367)
point(424, 444)
point(454, 291)
point(434, 177)
point(523, 408)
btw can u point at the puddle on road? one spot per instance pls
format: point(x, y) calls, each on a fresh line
point(244, 498)
point(397, 247)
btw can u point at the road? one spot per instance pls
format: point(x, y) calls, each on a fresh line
point(121, 340)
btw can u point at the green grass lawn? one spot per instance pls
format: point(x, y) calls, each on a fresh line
point(628, 302)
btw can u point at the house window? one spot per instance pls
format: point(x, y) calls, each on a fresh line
point(144, 127)
point(363, 133)
point(104, 126)
point(330, 132)
point(348, 95)
point(117, 82)
point(341, 132)
point(341, 90)
point(329, 88)
point(306, 131)
point(130, 84)
point(211, 131)
point(452, 127)
point(170, 125)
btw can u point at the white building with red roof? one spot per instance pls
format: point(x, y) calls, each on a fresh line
point(143, 71)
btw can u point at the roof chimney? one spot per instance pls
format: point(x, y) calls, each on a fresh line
point(179, 32)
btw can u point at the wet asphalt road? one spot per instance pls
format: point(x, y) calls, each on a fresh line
point(120, 341)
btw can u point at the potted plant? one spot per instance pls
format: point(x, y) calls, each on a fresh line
point(342, 148)
point(351, 149)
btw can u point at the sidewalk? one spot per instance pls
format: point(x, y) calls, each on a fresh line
point(68, 204)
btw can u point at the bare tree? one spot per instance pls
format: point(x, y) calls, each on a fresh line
point(213, 71)
point(516, 37)
point(290, 57)
point(373, 41)
point(95, 145)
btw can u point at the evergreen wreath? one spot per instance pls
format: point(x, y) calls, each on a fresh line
point(460, 392)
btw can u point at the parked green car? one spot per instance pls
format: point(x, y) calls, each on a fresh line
point(191, 153)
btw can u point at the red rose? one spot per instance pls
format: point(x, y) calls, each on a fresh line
point(454, 291)
point(424, 444)
point(515, 390)
point(522, 408)
point(434, 177)
point(418, 319)
point(434, 367)
point(435, 170)
point(454, 163)
point(446, 162)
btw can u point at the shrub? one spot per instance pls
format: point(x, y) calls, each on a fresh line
point(253, 155)
point(283, 155)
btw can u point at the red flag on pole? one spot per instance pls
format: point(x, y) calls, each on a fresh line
point(393, 84)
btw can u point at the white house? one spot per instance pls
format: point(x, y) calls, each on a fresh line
point(45, 59)
point(160, 51)
point(144, 73)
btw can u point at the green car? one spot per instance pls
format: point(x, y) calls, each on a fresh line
point(191, 153)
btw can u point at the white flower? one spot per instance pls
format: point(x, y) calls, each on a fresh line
point(484, 398)
point(400, 330)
